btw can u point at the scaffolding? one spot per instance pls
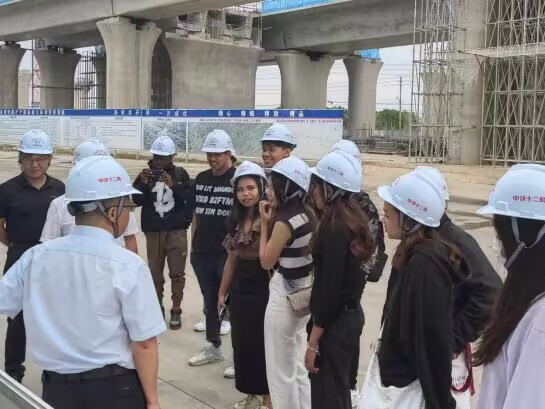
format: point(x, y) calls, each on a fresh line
point(513, 115)
point(437, 86)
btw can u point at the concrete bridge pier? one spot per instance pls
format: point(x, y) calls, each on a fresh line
point(129, 51)
point(362, 94)
point(208, 74)
point(10, 58)
point(304, 79)
point(57, 70)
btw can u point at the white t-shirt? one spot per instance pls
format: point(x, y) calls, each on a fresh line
point(60, 222)
point(514, 380)
point(85, 300)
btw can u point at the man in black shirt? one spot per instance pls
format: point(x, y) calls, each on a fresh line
point(213, 201)
point(166, 215)
point(24, 201)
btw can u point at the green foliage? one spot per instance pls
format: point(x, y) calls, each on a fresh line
point(389, 119)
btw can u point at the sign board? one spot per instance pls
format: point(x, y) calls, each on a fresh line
point(135, 129)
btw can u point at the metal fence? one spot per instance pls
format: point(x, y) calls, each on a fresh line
point(382, 141)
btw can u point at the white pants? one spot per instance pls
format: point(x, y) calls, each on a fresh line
point(285, 347)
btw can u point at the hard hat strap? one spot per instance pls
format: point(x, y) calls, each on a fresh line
point(412, 230)
point(521, 245)
point(115, 224)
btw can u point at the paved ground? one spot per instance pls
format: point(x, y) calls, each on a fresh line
point(205, 387)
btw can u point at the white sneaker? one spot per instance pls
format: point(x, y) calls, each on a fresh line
point(208, 354)
point(229, 372)
point(354, 396)
point(225, 328)
point(249, 402)
point(201, 325)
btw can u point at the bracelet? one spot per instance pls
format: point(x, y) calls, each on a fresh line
point(315, 349)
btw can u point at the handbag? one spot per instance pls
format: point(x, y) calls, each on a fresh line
point(300, 301)
point(375, 395)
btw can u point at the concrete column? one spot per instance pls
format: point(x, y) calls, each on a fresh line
point(100, 70)
point(304, 79)
point(468, 148)
point(362, 94)
point(207, 74)
point(25, 88)
point(10, 58)
point(57, 71)
point(128, 65)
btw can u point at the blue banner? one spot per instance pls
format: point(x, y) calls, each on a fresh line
point(270, 6)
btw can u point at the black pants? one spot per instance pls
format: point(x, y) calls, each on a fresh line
point(209, 270)
point(15, 346)
point(114, 392)
point(330, 387)
point(355, 365)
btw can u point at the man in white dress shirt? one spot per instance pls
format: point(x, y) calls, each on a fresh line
point(91, 310)
point(60, 222)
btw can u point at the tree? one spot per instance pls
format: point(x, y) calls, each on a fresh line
point(389, 119)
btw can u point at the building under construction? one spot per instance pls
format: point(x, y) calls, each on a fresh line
point(504, 61)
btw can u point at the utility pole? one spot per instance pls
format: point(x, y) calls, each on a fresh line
point(400, 91)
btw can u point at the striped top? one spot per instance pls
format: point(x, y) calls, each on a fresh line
point(296, 259)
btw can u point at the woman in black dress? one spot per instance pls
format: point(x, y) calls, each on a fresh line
point(248, 287)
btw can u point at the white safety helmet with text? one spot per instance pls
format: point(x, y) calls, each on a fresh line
point(279, 133)
point(98, 178)
point(36, 142)
point(519, 193)
point(435, 176)
point(218, 141)
point(248, 168)
point(92, 147)
point(295, 170)
point(340, 170)
point(163, 146)
point(415, 196)
point(344, 145)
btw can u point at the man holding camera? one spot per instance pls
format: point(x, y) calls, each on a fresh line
point(166, 216)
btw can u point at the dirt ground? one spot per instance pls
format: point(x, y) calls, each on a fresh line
point(205, 387)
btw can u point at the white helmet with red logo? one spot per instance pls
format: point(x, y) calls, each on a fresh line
point(295, 170)
point(341, 170)
point(98, 178)
point(344, 145)
point(91, 147)
point(435, 176)
point(417, 197)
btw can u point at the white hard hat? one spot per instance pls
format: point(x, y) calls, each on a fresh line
point(519, 193)
point(217, 141)
point(344, 145)
point(98, 178)
point(295, 170)
point(436, 177)
point(92, 147)
point(163, 146)
point(417, 197)
point(341, 170)
point(36, 142)
point(248, 168)
point(279, 133)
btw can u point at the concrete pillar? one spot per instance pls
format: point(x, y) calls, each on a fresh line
point(207, 74)
point(362, 94)
point(469, 145)
point(25, 88)
point(128, 64)
point(99, 65)
point(57, 71)
point(10, 58)
point(304, 79)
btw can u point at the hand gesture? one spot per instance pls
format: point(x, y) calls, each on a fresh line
point(221, 301)
point(167, 179)
point(310, 361)
point(265, 210)
point(145, 176)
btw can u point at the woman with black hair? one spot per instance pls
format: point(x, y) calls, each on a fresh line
point(286, 229)
point(413, 363)
point(341, 242)
point(513, 345)
point(248, 287)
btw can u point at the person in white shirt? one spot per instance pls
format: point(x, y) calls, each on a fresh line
point(60, 222)
point(91, 310)
point(512, 347)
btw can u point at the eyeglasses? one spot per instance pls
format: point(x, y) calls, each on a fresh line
point(38, 159)
point(130, 206)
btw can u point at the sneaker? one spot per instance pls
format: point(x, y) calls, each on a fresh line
point(208, 354)
point(249, 402)
point(354, 395)
point(200, 326)
point(229, 372)
point(225, 328)
point(175, 319)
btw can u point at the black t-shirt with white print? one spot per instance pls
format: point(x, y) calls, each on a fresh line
point(213, 202)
